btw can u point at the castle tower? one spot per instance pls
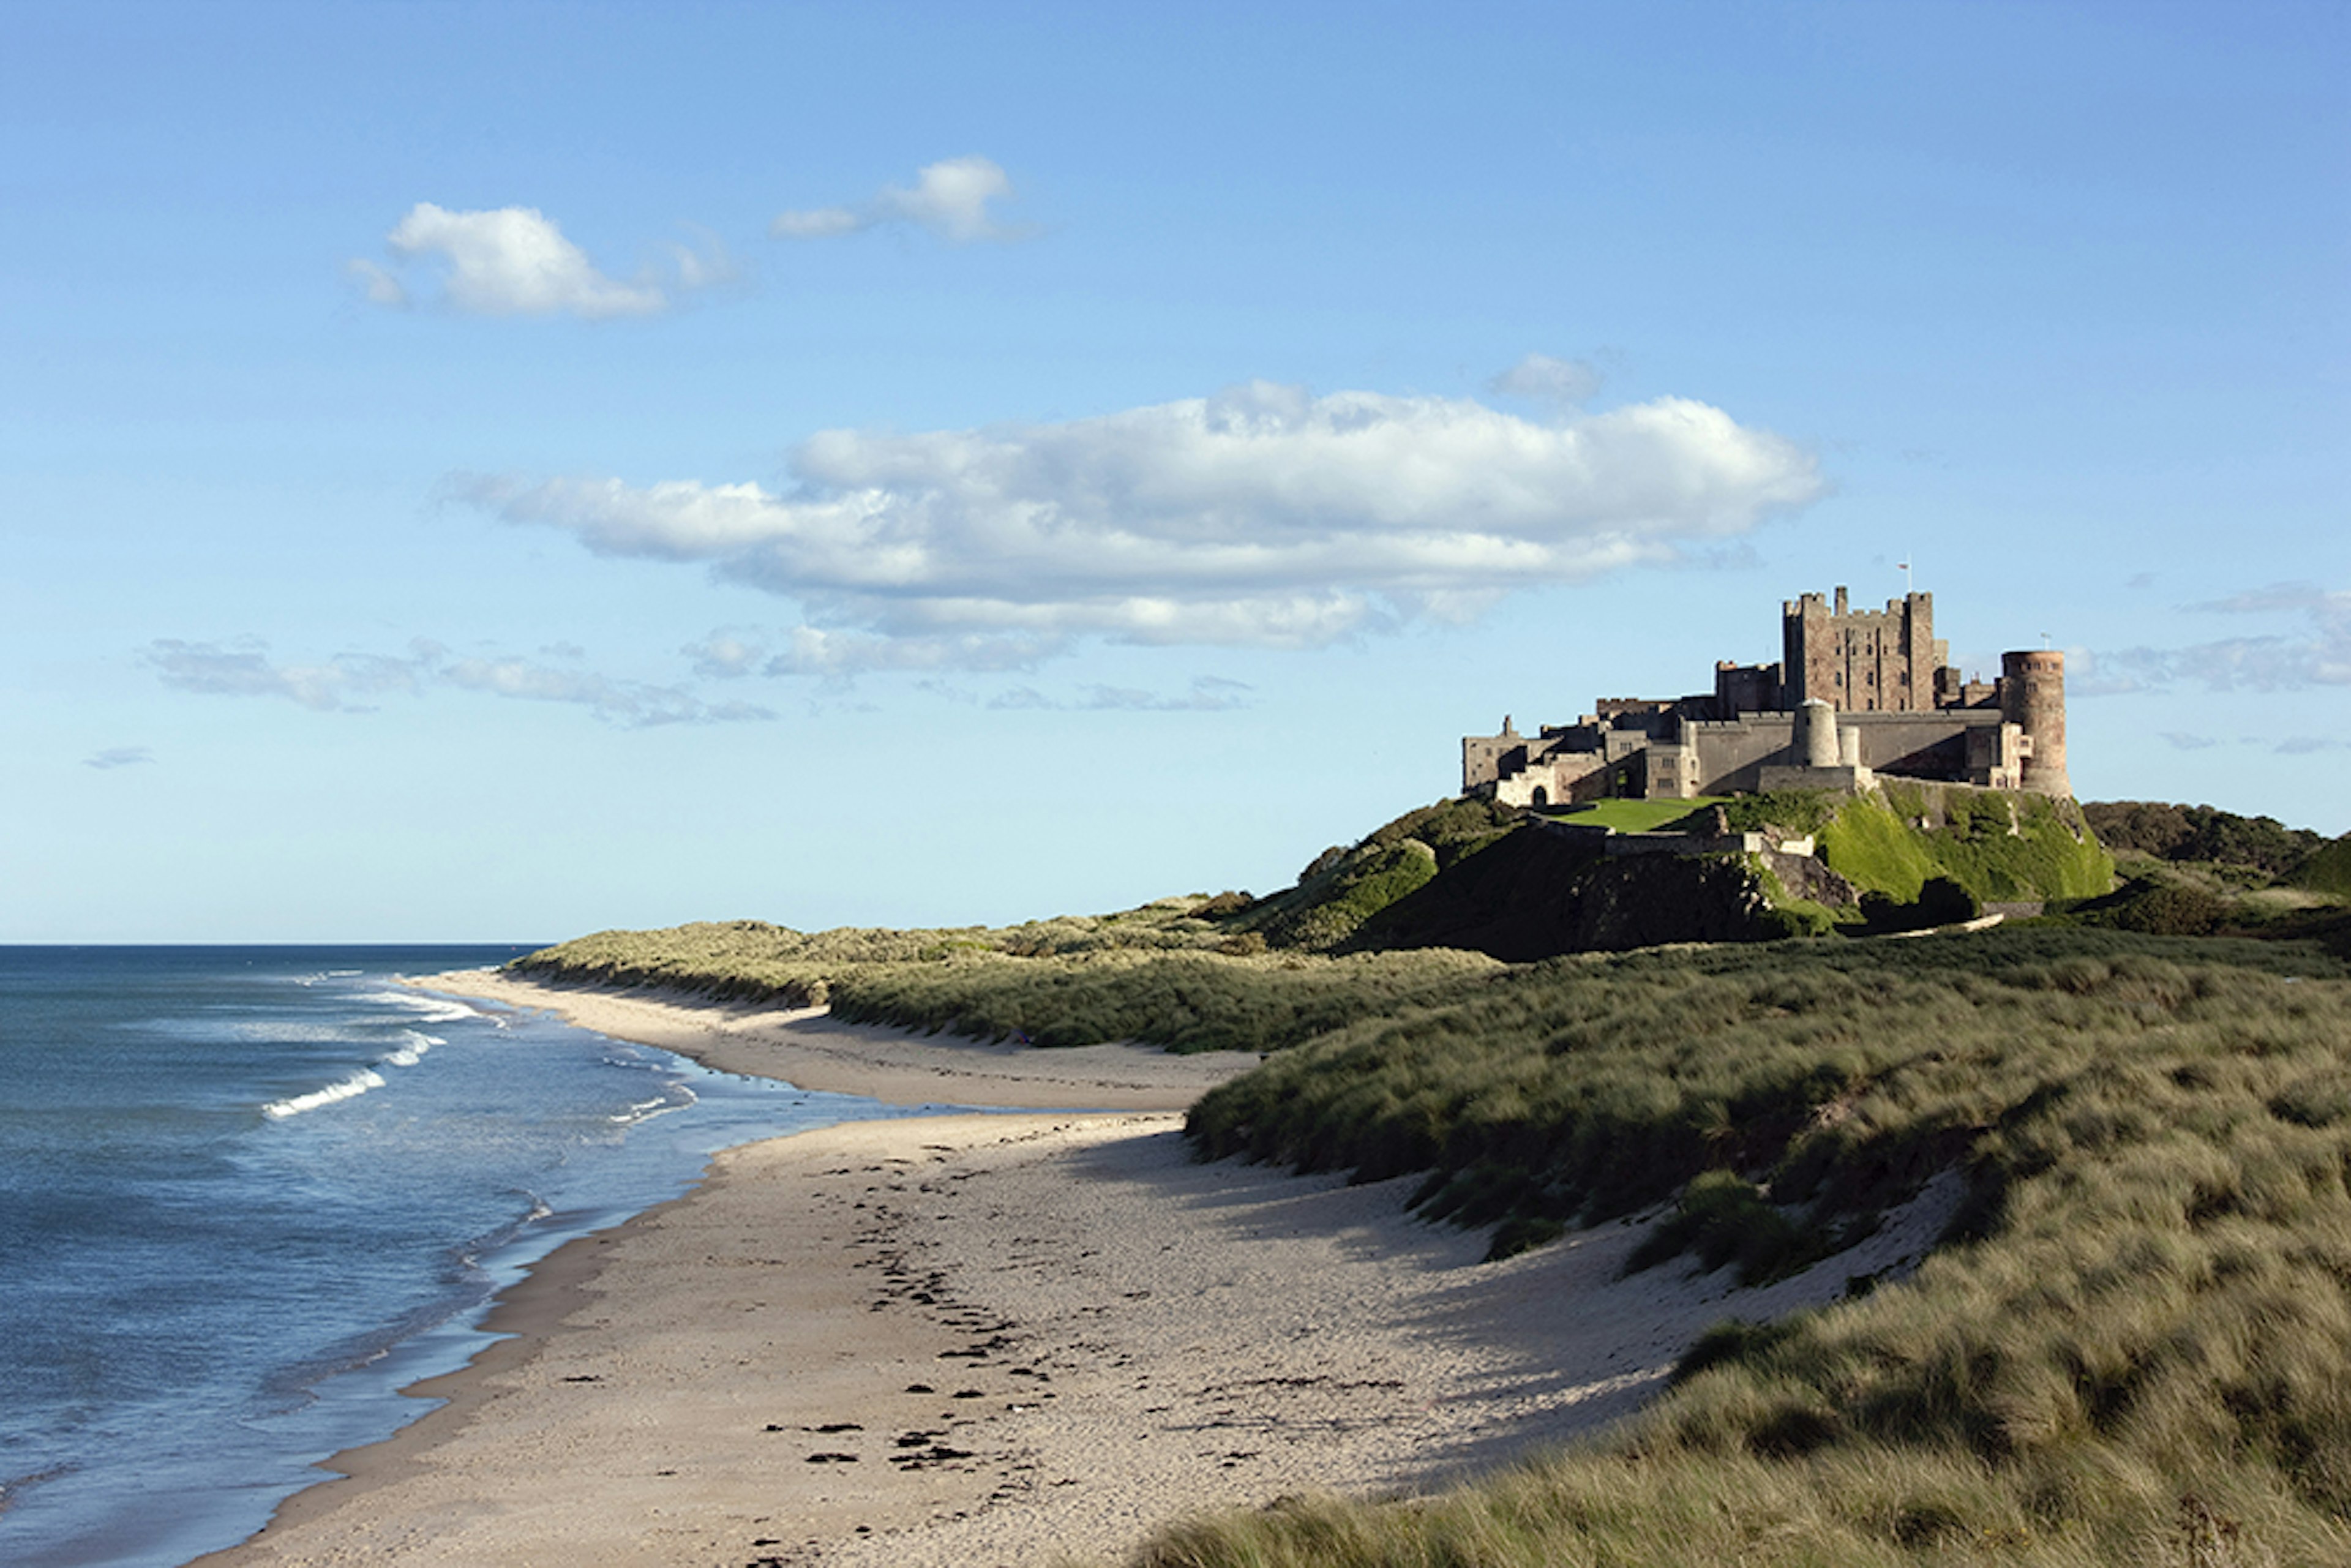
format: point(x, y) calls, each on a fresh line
point(2033, 698)
point(1861, 661)
point(1816, 734)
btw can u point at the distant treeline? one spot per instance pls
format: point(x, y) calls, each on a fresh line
point(2202, 833)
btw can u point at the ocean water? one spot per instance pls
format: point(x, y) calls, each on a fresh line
point(246, 1194)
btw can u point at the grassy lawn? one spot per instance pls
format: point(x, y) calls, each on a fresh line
point(1636, 816)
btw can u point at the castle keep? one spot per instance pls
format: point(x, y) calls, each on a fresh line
point(1856, 692)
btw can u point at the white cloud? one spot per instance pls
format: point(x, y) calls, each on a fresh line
point(118, 757)
point(514, 261)
point(382, 286)
point(1264, 516)
point(1569, 384)
point(343, 682)
point(949, 198)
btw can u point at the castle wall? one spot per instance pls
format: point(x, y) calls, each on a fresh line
point(1732, 752)
point(1558, 781)
point(1923, 744)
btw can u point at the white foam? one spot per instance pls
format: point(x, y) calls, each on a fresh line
point(351, 1088)
point(436, 1009)
point(678, 1099)
point(416, 1043)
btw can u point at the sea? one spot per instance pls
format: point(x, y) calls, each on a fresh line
point(248, 1194)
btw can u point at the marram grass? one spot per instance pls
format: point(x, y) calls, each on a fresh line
point(2136, 1348)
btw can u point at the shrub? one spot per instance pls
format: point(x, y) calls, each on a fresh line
point(2170, 909)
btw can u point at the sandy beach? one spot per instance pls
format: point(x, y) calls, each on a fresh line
point(808, 1047)
point(994, 1339)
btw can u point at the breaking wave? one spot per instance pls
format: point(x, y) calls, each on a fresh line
point(414, 1044)
point(435, 1009)
point(410, 1050)
point(351, 1088)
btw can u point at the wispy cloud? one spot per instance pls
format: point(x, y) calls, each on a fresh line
point(243, 667)
point(346, 683)
point(2315, 653)
point(1567, 383)
point(118, 757)
point(516, 261)
point(809, 650)
point(950, 199)
point(1265, 515)
point(1209, 694)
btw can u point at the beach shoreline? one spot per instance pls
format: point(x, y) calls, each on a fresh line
point(808, 1049)
point(992, 1338)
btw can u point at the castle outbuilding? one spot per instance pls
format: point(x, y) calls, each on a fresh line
point(1855, 693)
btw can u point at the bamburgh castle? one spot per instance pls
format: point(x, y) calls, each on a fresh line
point(1856, 692)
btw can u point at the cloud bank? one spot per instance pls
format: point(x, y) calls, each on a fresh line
point(2317, 653)
point(348, 683)
point(949, 199)
point(1263, 516)
point(514, 261)
point(118, 757)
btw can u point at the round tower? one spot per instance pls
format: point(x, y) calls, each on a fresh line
point(1816, 734)
point(2033, 698)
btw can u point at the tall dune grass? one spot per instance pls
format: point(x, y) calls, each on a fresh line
point(2135, 1347)
point(1155, 975)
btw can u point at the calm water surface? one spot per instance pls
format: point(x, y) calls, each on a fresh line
point(247, 1193)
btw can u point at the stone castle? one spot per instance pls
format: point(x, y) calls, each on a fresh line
point(1856, 692)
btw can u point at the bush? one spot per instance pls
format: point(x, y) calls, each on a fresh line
point(2169, 909)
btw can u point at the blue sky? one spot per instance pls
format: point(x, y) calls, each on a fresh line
point(496, 471)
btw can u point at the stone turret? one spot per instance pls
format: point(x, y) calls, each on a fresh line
point(1816, 734)
point(2033, 698)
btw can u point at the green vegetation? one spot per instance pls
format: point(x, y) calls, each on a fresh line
point(2137, 1346)
point(1155, 974)
point(2202, 834)
point(1999, 846)
point(1343, 888)
point(1638, 816)
point(1794, 813)
point(2194, 871)
point(2328, 870)
point(1187, 1002)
